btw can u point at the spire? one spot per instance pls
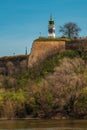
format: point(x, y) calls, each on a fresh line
point(26, 51)
point(51, 19)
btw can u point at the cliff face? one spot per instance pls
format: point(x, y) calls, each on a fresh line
point(43, 49)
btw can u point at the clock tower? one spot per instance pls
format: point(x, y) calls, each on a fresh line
point(51, 28)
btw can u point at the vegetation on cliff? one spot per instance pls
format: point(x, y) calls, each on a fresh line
point(56, 87)
point(53, 39)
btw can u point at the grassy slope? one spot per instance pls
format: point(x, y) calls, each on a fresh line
point(52, 39)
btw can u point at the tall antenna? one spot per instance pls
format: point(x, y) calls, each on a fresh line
point(40, 34)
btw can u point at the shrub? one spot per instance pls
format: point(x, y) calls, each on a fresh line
point(81, 104)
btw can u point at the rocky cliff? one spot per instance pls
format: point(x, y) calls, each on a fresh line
point(43, 49)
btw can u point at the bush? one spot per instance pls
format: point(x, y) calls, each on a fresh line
point(81, 104)
point(12, 104)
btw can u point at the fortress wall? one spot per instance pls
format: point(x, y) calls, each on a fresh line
point(76, 44)
point(14, 65)
point(43, 49)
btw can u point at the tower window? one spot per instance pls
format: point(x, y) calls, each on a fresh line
point(51, 22)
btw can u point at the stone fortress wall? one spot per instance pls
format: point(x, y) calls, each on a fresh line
point(14, 65)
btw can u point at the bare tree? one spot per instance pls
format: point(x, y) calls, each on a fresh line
point(70, 30)
point(58, 92)
point(67, 82)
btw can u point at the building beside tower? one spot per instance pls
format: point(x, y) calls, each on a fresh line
point(51, 28)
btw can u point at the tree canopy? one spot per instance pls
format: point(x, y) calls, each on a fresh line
point(70, 30)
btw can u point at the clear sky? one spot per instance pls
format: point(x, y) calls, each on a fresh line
point(21, 21)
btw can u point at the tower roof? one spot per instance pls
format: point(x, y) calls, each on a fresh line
point(51, 21)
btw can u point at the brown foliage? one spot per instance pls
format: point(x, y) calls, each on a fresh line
point(10, 68)
point(67, 81)
point(9, 82)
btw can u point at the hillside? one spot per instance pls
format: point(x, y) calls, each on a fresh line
point(11, 67)
point(56, 88)
point(49, 83)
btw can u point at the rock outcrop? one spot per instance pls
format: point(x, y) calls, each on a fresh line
point(43, 49)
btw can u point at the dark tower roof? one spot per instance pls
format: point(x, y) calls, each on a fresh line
point(51, 21)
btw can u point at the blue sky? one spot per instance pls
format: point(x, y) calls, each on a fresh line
point(21, 21)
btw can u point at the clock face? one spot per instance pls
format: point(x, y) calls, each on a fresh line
point(51, 30)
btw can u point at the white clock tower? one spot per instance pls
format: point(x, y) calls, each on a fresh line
point(51, 28)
